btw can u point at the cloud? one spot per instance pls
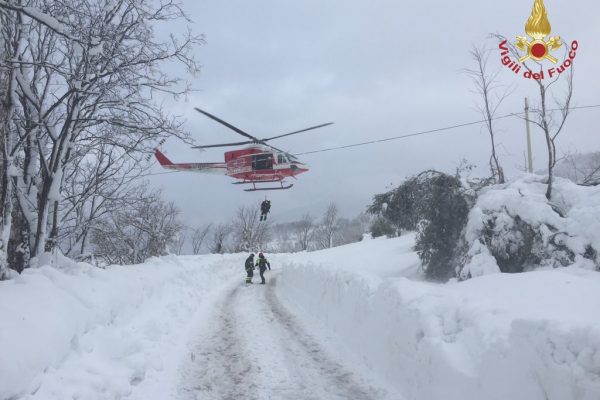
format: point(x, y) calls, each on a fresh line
point(377, 69)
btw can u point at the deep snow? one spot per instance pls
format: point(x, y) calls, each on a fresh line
point(527, 336)
point(148, 331)
point(568, 223)
point(80, 332)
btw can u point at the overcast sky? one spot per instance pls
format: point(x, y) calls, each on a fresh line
point(375, 68)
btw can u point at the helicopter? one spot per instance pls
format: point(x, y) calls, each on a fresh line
point(255, 164)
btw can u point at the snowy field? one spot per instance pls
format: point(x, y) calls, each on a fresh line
point(350, 322)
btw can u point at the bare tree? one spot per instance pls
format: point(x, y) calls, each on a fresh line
point(329, 226)
point(283, 237)
point(95, 184)
point(180, 241)
point(486, 87)
point(199, 236)
point(217, 244)
point(139, 230)
point(305, 230)
point(249, 232)
point(543, 114)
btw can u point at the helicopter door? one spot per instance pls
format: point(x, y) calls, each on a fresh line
point(262, 162)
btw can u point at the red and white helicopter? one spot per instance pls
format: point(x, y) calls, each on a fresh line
point(258, 163)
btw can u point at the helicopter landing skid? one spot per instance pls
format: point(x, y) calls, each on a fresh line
point(255, 189)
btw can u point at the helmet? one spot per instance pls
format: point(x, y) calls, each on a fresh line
point(251, 254)
point(260, 255)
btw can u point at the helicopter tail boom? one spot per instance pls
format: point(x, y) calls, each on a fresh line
point(162, 159)
point(213, 168)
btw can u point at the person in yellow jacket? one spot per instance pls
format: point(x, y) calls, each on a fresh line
point(262, 265)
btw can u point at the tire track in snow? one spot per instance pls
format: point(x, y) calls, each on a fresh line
point(219, 368)
point(338, 382)
point(256, 349)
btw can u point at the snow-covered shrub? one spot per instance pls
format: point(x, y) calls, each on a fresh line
point(434, 204)
point(514, 228)
point(382, 227)
point(511, 241)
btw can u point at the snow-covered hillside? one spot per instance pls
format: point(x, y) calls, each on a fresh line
point(355, 322)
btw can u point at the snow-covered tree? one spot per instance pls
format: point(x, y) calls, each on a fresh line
point(442, 207)
point(436, 206)
point(382, 227)
point(397, 207)
point(94, 185)
point(137, 230)
point(79, 76)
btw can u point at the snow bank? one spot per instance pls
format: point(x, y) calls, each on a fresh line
point(513, 227)
point(502, 336)
point(87, 333)
point(376, 258)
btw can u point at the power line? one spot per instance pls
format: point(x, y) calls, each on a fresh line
point(446, 128)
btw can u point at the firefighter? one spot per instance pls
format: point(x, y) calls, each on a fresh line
point(249, 268)
point(265, 207)
point(262, 265)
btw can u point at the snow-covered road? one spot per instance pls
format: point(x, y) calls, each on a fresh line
point(353, 322)
point(254, 348)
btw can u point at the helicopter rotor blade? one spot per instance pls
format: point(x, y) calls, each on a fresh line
point(276, 149)
point(208, 146)
point(295, 132)
point(219, 120)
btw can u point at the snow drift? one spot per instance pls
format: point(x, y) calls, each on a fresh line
point(83, 332)
point(502, 336)
point(514, 228)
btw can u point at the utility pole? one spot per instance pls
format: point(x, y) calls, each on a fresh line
point(529, 161)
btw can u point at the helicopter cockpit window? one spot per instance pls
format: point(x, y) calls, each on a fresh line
point(262, 161)
point(281, 159)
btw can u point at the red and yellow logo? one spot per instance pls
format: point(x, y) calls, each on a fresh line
point(537, 46)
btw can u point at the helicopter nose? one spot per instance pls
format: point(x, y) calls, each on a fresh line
point(298, 168)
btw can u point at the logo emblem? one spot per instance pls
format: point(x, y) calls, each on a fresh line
point(537, 46)
point(538, 28)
